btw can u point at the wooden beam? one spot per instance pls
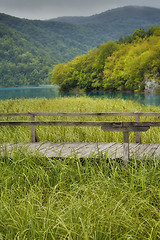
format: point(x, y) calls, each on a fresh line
point(133, 126)
point(76, 114)
point(125, 147)
point(34, 137)
point(138, 134)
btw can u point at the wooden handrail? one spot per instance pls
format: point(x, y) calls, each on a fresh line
point(114, 126)
point(131, 126)
point(89, 114)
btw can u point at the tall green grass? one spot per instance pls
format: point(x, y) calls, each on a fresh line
point(74, 134)
point(45, 199)
point(70, 199)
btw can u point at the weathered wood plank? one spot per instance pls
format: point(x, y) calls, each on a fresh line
point(125, 147)
point(106, 126)
point(48, 148)
point(134, 149)
point(143, 149)
point(66, 149)
point(82, 150)
point(76, 114)
point(86, 150)
point(33, 130)
point(52, 150)
point(111, 150)
point(32, 146)
point(103, 147)
point(150, 150)
point(119, 151)
point(157, 152)
point(138, 134)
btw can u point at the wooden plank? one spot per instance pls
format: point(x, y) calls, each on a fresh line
point(6, 149)
point(106, 126)
point(33, 130)
point(14, 114)
point(48, 148)
point(137, 149)
point(67, 149)
point(118, 153)
point(111, 150)
point(125, 147)
point(87, 150)
point(82, 150)
point(77, 114)
point(138, 134)
point(133, 148)
point(103, 147)
point(143, 149)
point(150, 150)
point(33, 146)
point(157, 152)
point(53, 150)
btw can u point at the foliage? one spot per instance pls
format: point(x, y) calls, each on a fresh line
point(84, 72)
point(29, 53)
point(121, 65)
point(128, 68)
point(22, 63)
point(29, 49)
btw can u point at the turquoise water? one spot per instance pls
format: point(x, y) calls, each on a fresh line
point(53, 92)
point(29, 92)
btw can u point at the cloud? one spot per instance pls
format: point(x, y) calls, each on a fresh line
point(45, 9)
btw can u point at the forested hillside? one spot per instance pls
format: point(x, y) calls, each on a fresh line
point(134, 15)
point(22, 63)
point(29, 49)
point(28, 53)
point(122, 65)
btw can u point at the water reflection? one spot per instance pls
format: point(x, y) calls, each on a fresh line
point(29, 92)
point(152, 99)
point(53, 92)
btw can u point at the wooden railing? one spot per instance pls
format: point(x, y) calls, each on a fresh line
point(109, 126)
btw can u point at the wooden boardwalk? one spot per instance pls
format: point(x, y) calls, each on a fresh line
point(82, 150)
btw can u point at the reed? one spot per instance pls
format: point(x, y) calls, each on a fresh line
point(74, 134)
point(50, 199)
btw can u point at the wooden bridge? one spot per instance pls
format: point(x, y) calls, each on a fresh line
point(115, 150)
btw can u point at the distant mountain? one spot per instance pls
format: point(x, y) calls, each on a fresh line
point(140, 15)
point(50, 42)
point(112, 24)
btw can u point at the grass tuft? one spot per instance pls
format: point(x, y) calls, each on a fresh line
point(43, 198)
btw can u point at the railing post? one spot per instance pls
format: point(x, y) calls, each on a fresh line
point(125, 147)
point(33, 130)
point(138, 134)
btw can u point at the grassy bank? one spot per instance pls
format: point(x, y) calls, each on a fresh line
point(55, 199)
point(74, 134)
point(67, 199)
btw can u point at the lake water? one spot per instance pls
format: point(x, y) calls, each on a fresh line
point(53, 92)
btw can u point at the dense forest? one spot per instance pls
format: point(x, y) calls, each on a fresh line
point(30, 49)
point(22, 63)
point(120, 65)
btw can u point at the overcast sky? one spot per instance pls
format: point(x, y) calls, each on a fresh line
point(46, 9)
